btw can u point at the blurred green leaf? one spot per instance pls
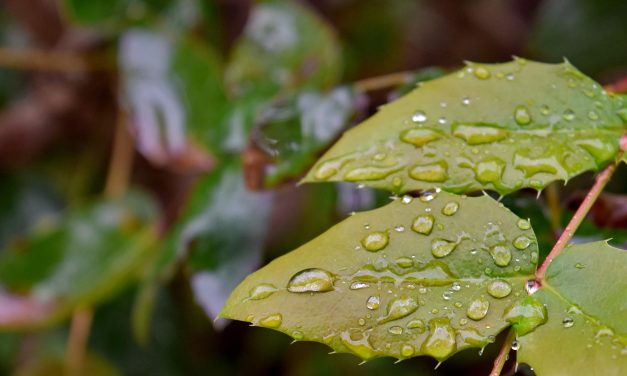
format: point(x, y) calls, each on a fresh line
point(585, 292)
point(428, 276)
point(115, 12)
point(93, 365)
point(79, 261)
point(483, 127)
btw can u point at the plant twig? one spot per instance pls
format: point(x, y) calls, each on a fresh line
point(599, 183)
point(54, 61)
point(121, 161)
point(553, 202)
point(619, 86)
point(500, 360)
point(77, 342)
point(383, 82)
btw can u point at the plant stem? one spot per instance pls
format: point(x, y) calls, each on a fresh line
point(77, 342)
point(383, 82)
point(599, 183)
point(54, 61)
point(121, 161)
point(500, 360)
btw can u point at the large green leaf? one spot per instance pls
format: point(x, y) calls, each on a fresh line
point(419, 276)
point(79, 262)
point(500, 127)
point(585, 293)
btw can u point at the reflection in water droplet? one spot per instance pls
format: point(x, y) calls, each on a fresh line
point(499, 288)
point(373, 302)
point(272, 321)
point(441, 340)
point(311, 280)
point(407, 350)
point(515, 345)
point(522, 242)
point(399, 308)
point(419, 136)
point(501, 255)
point(478, 309)
point(522, 115)
point(523, 224)
point(407, 199)
point(262, 291)
point(419, 117)
point(465, 101)
point(359, 285)
point(568, 322)
point(375, 241)
point(433, 172)
point(423, 224)
point(450, 208)
point(442, 247)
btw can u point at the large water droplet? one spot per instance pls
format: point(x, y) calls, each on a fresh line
point(523, 224)
point(501, 255)
point(423, 224)
point(311, 280)
point(450, 208)
point(442, 247)
point(373, 302)
point(419, 136)
point(407, 350)
point(489, 170)
point(525, 315)
point(272, 321)
point(522, 115)
point(419, 117)
point(499, 288)
point(522, 242)
point(262, 291)
point(399, 308)
point(375, 241)
point(601, 150)
point(433, 172)
point(441, 340)
point(417, 325)
point(478, 309)
point(532, 166)
point(479, 134)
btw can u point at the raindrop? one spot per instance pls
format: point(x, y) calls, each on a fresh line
point(362, 322)
point(568, 322)
point(419, 117)
point(272, 321)
point(446, 295)
point(399, 308)
point(419, 136)
point(456, 286)
point(515, 345)
point(482, 73)
point(569, 115)
point(522, 242)
point(407, 199)
point(522, 115)
point(440, 343)
point(481, 134)
point(465, 101)
point(423, 224)
point(450, 208)
point(544, 110)
point(262, 291)
point(396, 330)
point(407, 350)
point(531, 287)
point(442, 120)
point(442, 247)
point(359, 285)
point(579, 265)
point(478, 309)
point(416, 324)
point(501, 255)
point(499, 288)
point(523, 224)
point(310, 280)
point(399, 228)
point(433, 172)
point(373, 303)
point(525, 315)
point(375, 241)
point(593, 115)
point(404, 262)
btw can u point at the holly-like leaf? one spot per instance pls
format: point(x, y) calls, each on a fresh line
point(81, 261)
point(585, 293)
point(430, 275)
point(499, 127)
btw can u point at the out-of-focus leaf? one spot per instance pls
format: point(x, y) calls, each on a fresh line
point(294, 130)
point(501, 127)
point(426, 74)
point(428, 276)
point(93, 365)
point(585, 293)
point(111, 12)
point(285, 47)
point(588, 32)
point(81, 261)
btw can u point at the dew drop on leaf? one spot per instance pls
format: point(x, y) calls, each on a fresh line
point(419, 136)
point(375, 241)
point(522, 115)
point(373, 302)
point(478, 309)
point(482, 73)
point(359, 285)
point(262, 291)
point(311, 280)
point(423, 224)
point(407, 350)
point(450, 208)
point(442, 247)
point(501, 255)
point(499, 288)
point(568, 322)
point(419, 117)
point(522, 242)
point(441, 340)
point(417, 325)
point(272, 321)
point(396, 330)
point(523, 224)
point(399, 308)
point(525, 315)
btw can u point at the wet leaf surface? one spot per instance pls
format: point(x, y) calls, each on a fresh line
point(483, 127)
point(422, 276)
point(585, 294)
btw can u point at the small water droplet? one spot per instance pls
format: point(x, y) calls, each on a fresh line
point(593, 115)
point(423, 224)
point(499, 288)
point(544, 110)
point(465, 101)
point(399, 228)
point(446, 295)
point(501, 255)
point(432, 172)
point(509, 77)
point(522, 242)
point(515, 345)
point(442, 120)
point(450, 208)
point(419, 117)
point(482, 73)
point(419, 136)
point(262, 291)
point(361, 322)
point(442, 247)
point(478, 309)
point(404, 262)
point(359, 285)
point(523, 224)
point(407, 199)
point(375, 241)
point(568, 322)
point(525, 315)
point(479, 134)
point(407, 350)
point(579, 265)
point(373, 302)
point(272, 321)
point(456, 286)
point(522, 115)
point(569, 115)
point(396, 330)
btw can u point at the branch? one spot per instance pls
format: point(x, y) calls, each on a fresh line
point(77, 342)
point(54, 61)
point(121, 161)
point(500, 360)
point(599, 183)
point(383, 82)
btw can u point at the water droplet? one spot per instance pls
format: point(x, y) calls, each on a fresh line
point(534, 257)
point(515, 345)
point(525, 315)
point(579, 265)
point(499, 288)
point(262, 291)
point(465, 101)
point(423, 224)
point(399, 228)
point(442, 120)
point(593, 115)
point(361, 347)
point(433, 172)
point(523, 224)
point(375, 241)
point(404, 262)
point(568, 322)
point(446, 295)
point(379, 157)
point(419, 117)
point(272, 321)
point(478, 309)
point(361, 322)
point(569, 115)
point(407, 350)
point(450, 208)
point(370, 173)
point(297, 335)
point(417, 325)
point(396, 330)
point(311, 280)
point(501, 255)
point(489, 170)
point(359, 285)
point(479, 134)
point(522, 242)
point(482, 73)
point(441, 340)
point(456, 286)
point(601, 150)
point(463, 322)
point(399, 308)
point(544, 110)
point(522, 115)
point(442, 247)
point(373, 302)
point(419, 136)
point(509, 77)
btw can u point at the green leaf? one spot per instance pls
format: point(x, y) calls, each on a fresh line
point(585, 293)
point(500, 127)
point(285, 46)
point(419, 276)
point(99, 12)
point(81, 261)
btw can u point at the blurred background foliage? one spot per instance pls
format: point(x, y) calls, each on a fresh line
point(150, 152)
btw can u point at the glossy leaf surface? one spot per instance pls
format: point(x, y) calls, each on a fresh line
point(430, 275)
point(500, 127)
point(585, 292)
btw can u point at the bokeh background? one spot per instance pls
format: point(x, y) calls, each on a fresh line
point(150, 152)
